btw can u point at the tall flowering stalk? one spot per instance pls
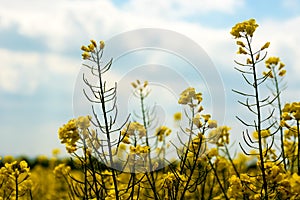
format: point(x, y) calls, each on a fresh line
point(245, 31)
point(275, 72)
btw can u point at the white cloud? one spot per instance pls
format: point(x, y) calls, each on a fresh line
point(176, 9)
point(24, 72)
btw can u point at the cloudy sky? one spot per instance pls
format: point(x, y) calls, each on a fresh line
point(40, 53)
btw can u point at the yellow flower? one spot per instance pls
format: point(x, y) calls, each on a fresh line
point(206, 117)
point(102, 44)
point(282, 72)
point(84, 48)
point(263, 133)
point(249, 61)
point(212, 124)
point(265, 46)
point(94, 43)
point(177, 116)
point(186, 96)
point(91, 47)
point(83, 122)
point(244, 28)
point(85, 55)
point(55, 152)
point(272, 61)
point(281, 65)
point(240, 43)
point(241, 51)
point(212, 152)
point(134, 128)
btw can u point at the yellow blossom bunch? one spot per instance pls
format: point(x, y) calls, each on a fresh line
point(244, 28)
point(188, 95)
point(69, 135)
point(91, 48)
point(140, 89)
point(138, 150)
point(161, 132)
point(177, 116)
point(271, 64)
point(291, 111)
point(61, 170)
point(220, 135)
point(264, 133)
point(133, 129)
point(16, 179)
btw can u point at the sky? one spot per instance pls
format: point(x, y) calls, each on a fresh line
point(41, 58)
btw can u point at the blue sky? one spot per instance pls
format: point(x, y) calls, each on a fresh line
point(40, 53)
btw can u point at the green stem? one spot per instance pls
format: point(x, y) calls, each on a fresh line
point(106, 125)
point(218, 179)
point(152, 181)
point(265, 184)
point(298, 155)
point(280, 113)
point(17, 188)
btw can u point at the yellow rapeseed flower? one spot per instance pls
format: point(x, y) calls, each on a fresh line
point(102, 44)
point(265, 46)
point(244, 28)
point(177, 116)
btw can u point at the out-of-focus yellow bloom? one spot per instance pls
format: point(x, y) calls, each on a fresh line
point(83, 122)
point(291, 111)
point(272, 61)
point(212, 124)
point(168, 180)
point(102, 44)
point(55, 152)
point(244, 28)
point(240, 43)
point(265, 46)
point(86, 55)
point(134, 128)
point(139, 149)
point(186, 96)
point(269, 74)
point(206, 117)
point(197, 122)
point(161, 132)
point(61, 170)
point(281, 65)
point(84, 48)
point(241, 51)
point(282, 72)
point(177, 116)
point(219, 136)
point(91, 47)
point(264, 133)
point(212, 152)
point(249, 61)
point(257, 56)
point(94, 43)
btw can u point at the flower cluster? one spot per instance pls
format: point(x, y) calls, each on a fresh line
point(220, 135)
point(91, 48)
point(291, 111)
point(69, 133)
point(274, 64)
point(16, 179)
point(188, 95)
point(133, 129)
point(162, 131)
point(244, 28)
